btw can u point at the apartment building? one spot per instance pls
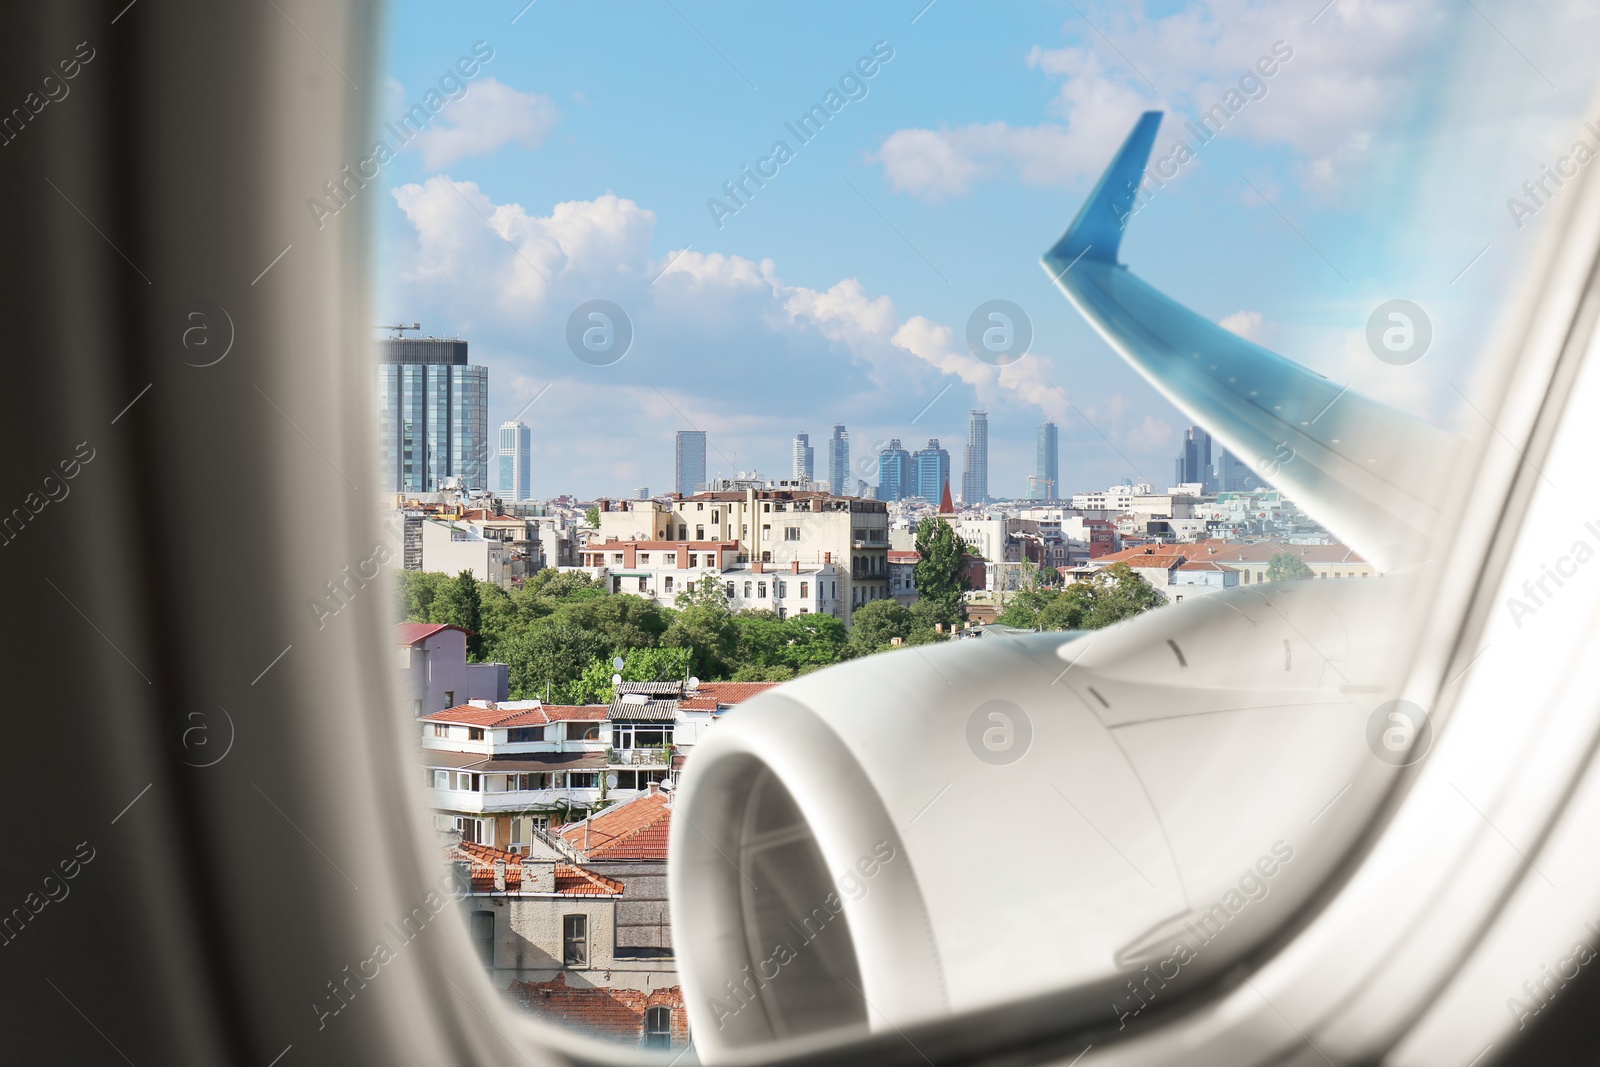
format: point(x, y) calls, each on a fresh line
point(661, 570)
point(772, 526)
point(434, 672)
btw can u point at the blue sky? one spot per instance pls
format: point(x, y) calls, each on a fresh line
point(1374, 163)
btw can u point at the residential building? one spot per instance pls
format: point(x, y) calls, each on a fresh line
point(896, 479)
point(434, 672)
point(839, 460)
point(975, 474)
point(433, 411)
point(931, 467)
point(1046, 480)
point(771, 526)
point(690, 462)
point(903, 577)
point(660, 570)
point(516, 460)
point(805, 457)
point(453, 546)
point(1251, 559)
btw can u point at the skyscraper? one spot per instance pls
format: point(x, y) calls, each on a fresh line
point(1233, 475)
point(896, 479)
point(975, 474)
point(805, 458)
point(1194, 464)
point(839, 460)
point(516, 461)
point(690, 471)
point(433, 415)
point(931, 471)
point(1046, 465)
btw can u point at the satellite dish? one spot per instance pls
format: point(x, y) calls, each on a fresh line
point(666, 785)
point(611, 781)
point(616, 679)
point(617, 663)
point(694, 683)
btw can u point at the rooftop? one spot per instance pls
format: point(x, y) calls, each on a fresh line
point(633, 830)
point(571, 880)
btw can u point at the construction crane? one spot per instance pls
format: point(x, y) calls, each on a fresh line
point(400, 328)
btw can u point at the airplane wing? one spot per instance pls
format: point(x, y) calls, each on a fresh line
point(1374, 475)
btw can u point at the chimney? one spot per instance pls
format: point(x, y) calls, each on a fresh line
point(756, 566)
point(538, 875)
point(794, 566)
point(827, 557)
point(499, 876)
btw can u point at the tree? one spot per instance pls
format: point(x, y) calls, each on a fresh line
point(560, 585)
point(1286, 566)
point(1022, 610)
point(1119, 593)
point(594, 686)
point(876, 624)
point(415, 591)
point(622, 621)
point(707, 592)
point(458, 603)
point(941, 572)
point(548, 653)
point(1111, 595)
point(593, 516)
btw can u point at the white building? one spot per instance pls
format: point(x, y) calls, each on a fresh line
point(660, 570)
point(453, 547)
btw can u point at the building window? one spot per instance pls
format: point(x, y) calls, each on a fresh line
point(474, 733)
point(791, 533)
point(483, 936)
point(644, 557)
point(441, 779)
point(666, 583)
point(766, 531)
point(522, 734)
point(583, 779)
point(683, 532)
point(441, 730)
point(583, 731)
point(730, 591)
point(644, 584)
point(670, 558)
point(616, 557)
point(694, 559)
point(761, 590)
point(749, 590)
point(658, 1027)
point(779, 590)
point(449, 698)
point(766, 557)
point(714, 514)
point(699, 533)
point(575, 940)
point(804, 590)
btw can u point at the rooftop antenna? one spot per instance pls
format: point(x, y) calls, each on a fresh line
point(400, 328)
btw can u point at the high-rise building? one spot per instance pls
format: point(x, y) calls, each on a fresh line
point(839, 461)
point(690, 470)
point(805, 458)
point(516, 462)
point(642, 493)
point(433, 415)
point(1194, 463)
point(931, 471)
point(1046, 481)
point(975, 474)
point(1233, 475)
point(896, 479)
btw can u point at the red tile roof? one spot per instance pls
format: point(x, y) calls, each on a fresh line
point(898, 556)
point(711, 695)
point(409, 633)
point(472, 715)
point(571, 880)
point(633, 830)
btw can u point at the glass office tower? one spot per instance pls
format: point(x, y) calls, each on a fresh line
point(433, 415)
point(516, 461)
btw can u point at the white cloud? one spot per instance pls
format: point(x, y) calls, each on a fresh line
point(1329, 102)
point(1247, 324)
point(491, 116)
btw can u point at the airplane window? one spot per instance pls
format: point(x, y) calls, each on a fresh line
point(1064, 692)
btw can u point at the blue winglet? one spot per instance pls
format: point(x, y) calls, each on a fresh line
point(1097, 231)
point(1373, 475)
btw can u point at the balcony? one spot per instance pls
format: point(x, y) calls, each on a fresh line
point(638, 757)
point(466, 800)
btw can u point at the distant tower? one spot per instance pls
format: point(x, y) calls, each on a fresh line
point(690, 471)
point(805, 458)
point(930, 471)
point(516, 463)
point(433, 420)
point(1047, 465)
point(839, 460)
point(1194, 464)
point(896, 479)
point(975, 476)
